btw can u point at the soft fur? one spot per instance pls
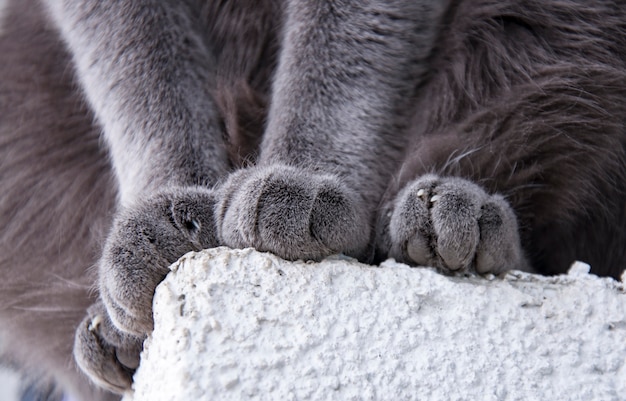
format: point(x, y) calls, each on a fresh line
point(466, 134)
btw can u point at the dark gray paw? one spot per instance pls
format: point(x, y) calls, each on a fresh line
point(453, 224)
point(106, 355)
point(293, 213)
point(144, 241)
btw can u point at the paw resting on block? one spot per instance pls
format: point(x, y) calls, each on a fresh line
point(239, 324)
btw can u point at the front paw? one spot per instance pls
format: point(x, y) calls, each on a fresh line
point(144, 241)
point(453, 224)
point(291, 212)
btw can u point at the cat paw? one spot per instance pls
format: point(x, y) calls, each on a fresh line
point(291, 212)
point(107, 356)
point(453, 224)
point(144, 241)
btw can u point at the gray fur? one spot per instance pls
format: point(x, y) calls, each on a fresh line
point(132, 132)
point(158, 133)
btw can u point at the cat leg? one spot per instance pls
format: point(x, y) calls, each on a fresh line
point(341, 90)
point(148, 75)
point(540, 175)
point(517, 107)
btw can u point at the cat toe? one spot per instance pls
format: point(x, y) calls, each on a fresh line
point(499, 248)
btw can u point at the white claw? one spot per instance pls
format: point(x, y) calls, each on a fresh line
point(95, 322)
point(421, 192)
point(435, 198)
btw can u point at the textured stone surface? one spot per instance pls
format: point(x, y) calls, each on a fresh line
point(235, 325)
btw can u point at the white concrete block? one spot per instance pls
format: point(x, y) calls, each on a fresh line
point(243, 325)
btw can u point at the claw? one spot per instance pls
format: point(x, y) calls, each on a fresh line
point(95, 323)
point(98, 359)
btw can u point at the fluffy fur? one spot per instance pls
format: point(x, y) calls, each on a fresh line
point(466, 134)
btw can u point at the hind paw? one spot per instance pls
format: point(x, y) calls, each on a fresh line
point(453, 224)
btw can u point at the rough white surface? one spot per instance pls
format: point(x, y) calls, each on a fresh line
point(239, 325)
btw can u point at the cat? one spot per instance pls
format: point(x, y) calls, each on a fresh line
point(469, 135)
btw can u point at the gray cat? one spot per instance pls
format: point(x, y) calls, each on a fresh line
point(470, 135)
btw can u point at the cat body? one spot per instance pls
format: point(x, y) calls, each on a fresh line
point(464, 134)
